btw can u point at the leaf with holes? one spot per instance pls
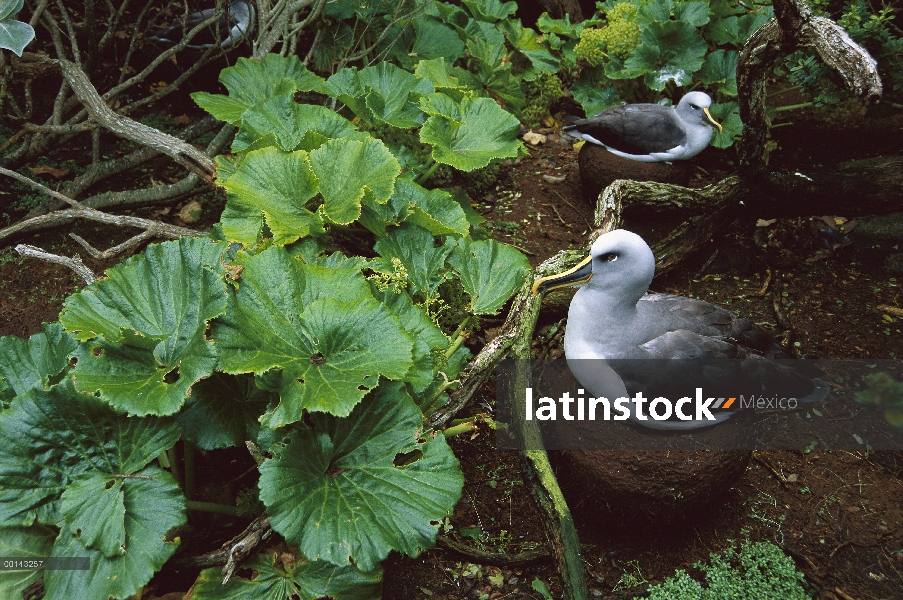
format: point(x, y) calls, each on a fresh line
point(350, 490)
point(479, 133)
point(59, 449)
point(271, 187)
point(146, 322)
point(320, 326)
point(50, 438)
point(307, 580)
point(253, 82)
point(153, 507)
point(34, 363)
point(349, 170)
point(489, 271)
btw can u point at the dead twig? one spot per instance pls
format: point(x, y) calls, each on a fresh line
point(118, 249)
point(75, 262)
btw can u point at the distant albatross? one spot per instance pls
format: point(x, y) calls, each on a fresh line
point(651, 132)
point(612, 318)
point(228, 30)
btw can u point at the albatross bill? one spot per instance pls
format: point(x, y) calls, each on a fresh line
point(651, 132)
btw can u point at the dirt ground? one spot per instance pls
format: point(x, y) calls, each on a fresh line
point(840, 518)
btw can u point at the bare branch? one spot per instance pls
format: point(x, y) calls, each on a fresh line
point(75, 263)
point(62, 217)
point(187, 155)
point(41, 188)
point(118, 249)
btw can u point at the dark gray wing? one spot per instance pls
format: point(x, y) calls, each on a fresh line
point(682, 313)
point(634, 129)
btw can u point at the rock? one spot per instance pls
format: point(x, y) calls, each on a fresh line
point(649, 488)
point(599, 167)
point(191, 212)
point(880, 240)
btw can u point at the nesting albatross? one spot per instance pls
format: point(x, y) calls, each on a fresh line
point(651, 132)
point(228, 30)
point(612, 317)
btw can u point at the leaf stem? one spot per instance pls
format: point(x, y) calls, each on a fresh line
point(459, 337)
point(432, 165)
point(174, 464)
point(467, 425)
point(188, 449)
point(793, 106)
point(211, 507)
point(784, 91)
point(428, 404)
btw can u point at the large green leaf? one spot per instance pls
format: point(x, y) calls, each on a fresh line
point(694, 13)
point(289, 123)
point(31, 364)
point(720, 67)
point(307, 580)
point(272, 187)
point(49, 439)
point(146, 322)
point(736, 30)
point(489, 271)
point(393, 94)
point(223, 411)
point(434, 40)
point(434, 210)
point(426, 334)
point(251, 82)
point(668, 51)
point(349, 170)
point(94, 506)
point(480, 133)
point(23, 542)
point(490, 10)
point(350, 490)
point(594, 91)
point(153, 506)
point(532, 45)
point(728, 114)
point(415, 247)
point(320, 326)
point(454, 81)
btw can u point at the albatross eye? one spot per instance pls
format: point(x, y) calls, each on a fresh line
point(611, 256)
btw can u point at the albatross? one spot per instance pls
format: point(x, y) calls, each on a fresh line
point(228, 30)
point(612, 317)
point(651, 132)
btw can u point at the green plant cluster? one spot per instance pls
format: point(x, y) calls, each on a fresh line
point(541, 94)
point(619, 37)
point(328, 363)
point(757, 571)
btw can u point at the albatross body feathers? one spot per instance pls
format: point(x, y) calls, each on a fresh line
point(613, 317)
point(651, 132)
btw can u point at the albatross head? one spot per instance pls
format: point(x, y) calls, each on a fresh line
point(620, 265)
point(694, 107)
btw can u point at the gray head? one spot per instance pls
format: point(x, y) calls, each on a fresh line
point(620, 265)
point(694, 108)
